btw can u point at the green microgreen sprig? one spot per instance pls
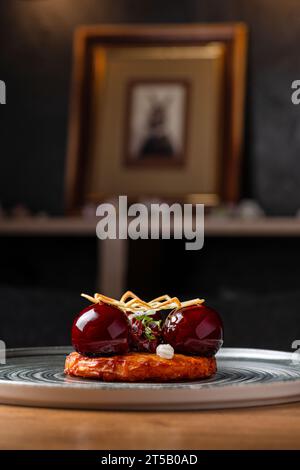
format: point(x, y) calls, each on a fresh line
point(147, 320)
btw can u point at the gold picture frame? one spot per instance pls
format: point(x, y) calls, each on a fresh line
point(107, 61)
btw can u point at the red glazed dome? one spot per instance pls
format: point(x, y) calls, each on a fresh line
point(101, 329)
point(194, 330)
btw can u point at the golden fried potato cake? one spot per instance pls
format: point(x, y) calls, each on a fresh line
point(139, 367)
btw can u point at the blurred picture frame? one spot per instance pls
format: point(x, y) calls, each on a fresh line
point(122, 72)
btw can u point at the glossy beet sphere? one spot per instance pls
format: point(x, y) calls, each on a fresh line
point(196, 330)
point(101, 329)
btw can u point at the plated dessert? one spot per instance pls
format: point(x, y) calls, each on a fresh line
point(130, 340)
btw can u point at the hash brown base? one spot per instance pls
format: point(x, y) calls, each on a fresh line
point(140, 367)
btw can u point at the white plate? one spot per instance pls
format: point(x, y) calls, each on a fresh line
point(245, 377)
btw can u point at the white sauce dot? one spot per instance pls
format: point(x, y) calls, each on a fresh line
point(165, 351)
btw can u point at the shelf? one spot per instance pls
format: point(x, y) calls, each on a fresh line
point(262, 227)
point(54, 226)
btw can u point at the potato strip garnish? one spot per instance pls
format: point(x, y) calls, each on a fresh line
point(132, 303)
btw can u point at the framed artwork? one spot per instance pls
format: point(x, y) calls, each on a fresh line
point(156, 111)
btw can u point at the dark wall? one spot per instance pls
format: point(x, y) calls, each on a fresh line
point(35, 62)
point(256, 291)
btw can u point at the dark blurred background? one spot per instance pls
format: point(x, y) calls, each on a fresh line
point(253, 282)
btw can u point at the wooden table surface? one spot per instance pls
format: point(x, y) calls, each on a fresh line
point(272, 427)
